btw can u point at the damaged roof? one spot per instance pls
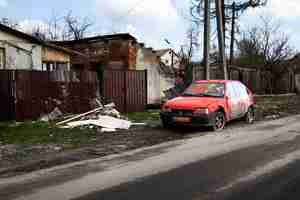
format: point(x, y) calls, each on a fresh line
point(124, 36)
point(36, 40)
point(20, 34)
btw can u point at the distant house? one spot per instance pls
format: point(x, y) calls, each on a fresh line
point(116, 51)
point(160, 74)
point(169, 63)
point(20, 51)
point(168, 58)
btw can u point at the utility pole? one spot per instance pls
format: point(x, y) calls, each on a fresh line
point(223, 19)
point(221, 38)
point(232, 34)
point(206, 49)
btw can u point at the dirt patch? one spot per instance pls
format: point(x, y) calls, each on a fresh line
point(19, 159)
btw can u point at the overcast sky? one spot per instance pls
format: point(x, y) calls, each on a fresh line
point(151, 21)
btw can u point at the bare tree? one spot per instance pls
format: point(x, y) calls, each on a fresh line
point(265, 45)
point(187, 52)
point(55, 27)
point(190, 45)
point(66, 27)
point(267, 42)
point(76, 28)
point(39, 33)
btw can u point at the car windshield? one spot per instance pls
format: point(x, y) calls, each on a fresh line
point(205, 90)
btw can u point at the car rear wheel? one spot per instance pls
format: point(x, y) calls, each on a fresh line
point(219, 121)
point(250, 116)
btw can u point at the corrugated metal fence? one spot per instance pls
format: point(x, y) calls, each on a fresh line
point(28, 94)
point(126, 88)
point(257, 80)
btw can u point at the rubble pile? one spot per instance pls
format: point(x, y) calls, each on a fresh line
point(105, 117)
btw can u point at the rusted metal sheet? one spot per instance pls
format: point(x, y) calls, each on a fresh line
point(126, 88)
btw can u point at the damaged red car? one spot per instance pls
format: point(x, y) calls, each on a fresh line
point(210, 103)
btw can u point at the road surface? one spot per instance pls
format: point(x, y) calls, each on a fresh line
point(250, 162)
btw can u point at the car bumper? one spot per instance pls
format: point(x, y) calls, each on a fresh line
point(202, 120)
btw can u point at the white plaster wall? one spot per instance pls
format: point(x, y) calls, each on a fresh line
point(153, 79)
point(19, 59)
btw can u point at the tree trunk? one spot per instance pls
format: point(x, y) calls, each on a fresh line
point(221, 38)
point(232, 34)
point(206, 49)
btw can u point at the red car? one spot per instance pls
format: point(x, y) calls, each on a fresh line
point(210, 103)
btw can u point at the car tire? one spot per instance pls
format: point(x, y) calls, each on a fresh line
point(165, 124)
point(250, 116)
point(219, 121)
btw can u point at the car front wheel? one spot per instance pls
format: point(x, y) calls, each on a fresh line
point(219, 121)
point(165, 124)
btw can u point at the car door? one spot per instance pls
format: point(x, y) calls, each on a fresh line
point(232, 101)
point(244, 99)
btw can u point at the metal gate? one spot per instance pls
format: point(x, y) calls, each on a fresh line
point(126, 88)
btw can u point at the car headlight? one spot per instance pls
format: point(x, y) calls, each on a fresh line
point(201, 111)
point(166, 109)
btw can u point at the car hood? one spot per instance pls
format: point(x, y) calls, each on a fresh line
point(191, 103)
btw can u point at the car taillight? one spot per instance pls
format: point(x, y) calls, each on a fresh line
point(201, 111)
point(166, 109)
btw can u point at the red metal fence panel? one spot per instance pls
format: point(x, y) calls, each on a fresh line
point(7, 95)
point(37, 93)
point(29, 94)
point(136, 94)
point(126, 88)
point(113, 88)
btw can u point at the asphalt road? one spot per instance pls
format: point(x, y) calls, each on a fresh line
point(252, 162)
point(282, 184)
point(204, 179)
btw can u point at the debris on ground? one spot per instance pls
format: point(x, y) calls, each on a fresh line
point(105, 117)
point(102, 121)
point(80, 116)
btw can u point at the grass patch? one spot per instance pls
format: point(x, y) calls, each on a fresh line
point(29, 133)
point(149, 115)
